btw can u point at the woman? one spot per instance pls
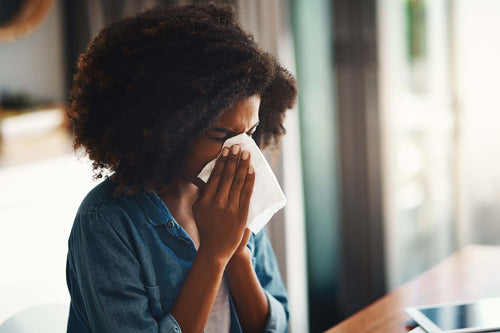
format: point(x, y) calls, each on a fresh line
point(154, 99)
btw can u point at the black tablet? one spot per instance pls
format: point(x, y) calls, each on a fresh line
point(479, 316)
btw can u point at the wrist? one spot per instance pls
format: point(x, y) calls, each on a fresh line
point(244, 254)
point(210, 258)
point(240, 259)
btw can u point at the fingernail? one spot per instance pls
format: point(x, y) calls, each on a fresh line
point(245, 154)
point(235, 149)
point(250, 169)
point(225, 151)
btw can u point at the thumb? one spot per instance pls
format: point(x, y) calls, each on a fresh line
point(246, 236)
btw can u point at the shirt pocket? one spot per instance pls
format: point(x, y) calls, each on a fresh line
point(160, 300)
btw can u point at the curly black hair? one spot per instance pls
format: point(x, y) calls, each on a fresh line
point(147, 85)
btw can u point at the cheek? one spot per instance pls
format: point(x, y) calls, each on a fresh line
point(199, 155)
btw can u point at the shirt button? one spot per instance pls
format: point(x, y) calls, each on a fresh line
point(170, 224)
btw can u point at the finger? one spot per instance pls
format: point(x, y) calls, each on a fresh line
point(239, 178)
point(246, 236)
point(226, 179)
point(246, 191)
point(244, 239)
point(213, 180)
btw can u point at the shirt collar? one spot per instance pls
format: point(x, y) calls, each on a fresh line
point(154, 208)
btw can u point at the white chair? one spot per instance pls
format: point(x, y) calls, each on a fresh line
point(43, 318)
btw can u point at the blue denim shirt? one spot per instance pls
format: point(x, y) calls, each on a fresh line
point(128, 259)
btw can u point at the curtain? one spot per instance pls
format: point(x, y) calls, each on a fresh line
point(312, 27)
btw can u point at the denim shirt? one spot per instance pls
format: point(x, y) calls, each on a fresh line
point(128, 259)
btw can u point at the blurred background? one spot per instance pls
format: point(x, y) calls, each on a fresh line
point(391, 160)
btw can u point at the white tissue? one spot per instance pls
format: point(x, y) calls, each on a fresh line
point(267, 196)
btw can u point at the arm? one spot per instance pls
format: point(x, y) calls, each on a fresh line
point(249, 298)
point(259, 294)
point(220, 214)
point(197, 296)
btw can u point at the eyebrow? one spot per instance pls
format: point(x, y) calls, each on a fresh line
point(226, 131)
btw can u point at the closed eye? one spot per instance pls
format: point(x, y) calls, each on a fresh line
point(223, 139)
point(229, 133)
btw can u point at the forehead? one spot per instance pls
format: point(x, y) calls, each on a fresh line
point(243, 114)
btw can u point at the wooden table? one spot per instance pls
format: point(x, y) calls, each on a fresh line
point(469, 274)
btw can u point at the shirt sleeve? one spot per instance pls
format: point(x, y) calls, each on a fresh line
point(267, 270)
point(105, 280)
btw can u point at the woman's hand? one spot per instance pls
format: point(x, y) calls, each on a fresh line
point(242, 255)
point(221, 210)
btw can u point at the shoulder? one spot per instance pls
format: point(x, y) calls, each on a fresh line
point(100, 197)
point(103, 212)
point(104, 202)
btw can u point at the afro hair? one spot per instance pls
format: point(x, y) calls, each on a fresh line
point(146, 85)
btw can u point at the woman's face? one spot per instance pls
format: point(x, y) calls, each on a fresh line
point(241, 118)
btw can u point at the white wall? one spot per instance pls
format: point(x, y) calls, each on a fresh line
point(38, 202)
point(478, 72)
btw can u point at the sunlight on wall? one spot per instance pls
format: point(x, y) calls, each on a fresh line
point(478, 53)
point(38, 203)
